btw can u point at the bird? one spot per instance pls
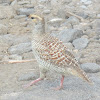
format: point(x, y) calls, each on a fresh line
point(52, 55)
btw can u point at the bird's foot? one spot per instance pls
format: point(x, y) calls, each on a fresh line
point(31, 83)
point(58, 88)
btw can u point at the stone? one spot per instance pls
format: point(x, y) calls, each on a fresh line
point(55, 20)
point(24, 24)
point(3, 29)
point(8, 39)
point(46, 11)
point(14, 5)
point(67, 25)
point(77, 54)
point(87, 2)
point(43, 1)
point(28, 55)
point(61, 13)
point(1, 56)
point(27, 76)
point(83, 6)
point(67, 1)
point(6, 1)
point(54, 2)
point(55, 23)
point(19, 26)
point(98, 60)
point(98, 16)
point(87, 59)
point(90, 67)
point(23, 2)
point(3, 48)
point(12, 57)
point(19, 16)
point(80, 43)
point(90, 32)
point(14, 2)
point(2, 39)
point(82, 26)
point(92, 16)
point(85, 36)
point(25, 11)
point(6, 12)
point(83, 14)
point(73, 20)
point(21, 39)
point(69, 45)
point(30, 5)
point(15, 57)
point(20, 48)
point(96, 26)
point(33, 2)
point(68, 35)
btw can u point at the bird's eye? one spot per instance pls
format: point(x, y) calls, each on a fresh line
point(32, 17)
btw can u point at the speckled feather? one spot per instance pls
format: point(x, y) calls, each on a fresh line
point(54, 52)
point(51, 54)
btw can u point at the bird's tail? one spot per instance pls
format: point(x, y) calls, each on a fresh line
point(84, 76)
point(80, 73)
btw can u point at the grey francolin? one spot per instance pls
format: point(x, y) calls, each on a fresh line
point(51, 54)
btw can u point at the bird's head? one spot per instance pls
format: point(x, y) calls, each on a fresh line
point(35, 18)
point(39, 24)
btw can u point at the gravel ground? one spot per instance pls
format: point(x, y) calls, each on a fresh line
point(80, 32)
point(74, 88)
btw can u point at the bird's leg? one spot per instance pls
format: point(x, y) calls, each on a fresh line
point(61, 84)
point(42, 76)
point(33, 82)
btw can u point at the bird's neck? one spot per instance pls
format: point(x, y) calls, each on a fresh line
point(39, 31)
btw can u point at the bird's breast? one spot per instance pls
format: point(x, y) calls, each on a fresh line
point(53, 68)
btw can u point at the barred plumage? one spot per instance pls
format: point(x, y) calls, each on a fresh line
point(52, 50)
point(52, 54)
point(55, 52)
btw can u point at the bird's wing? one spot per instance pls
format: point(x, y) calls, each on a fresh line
point(53, 50)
